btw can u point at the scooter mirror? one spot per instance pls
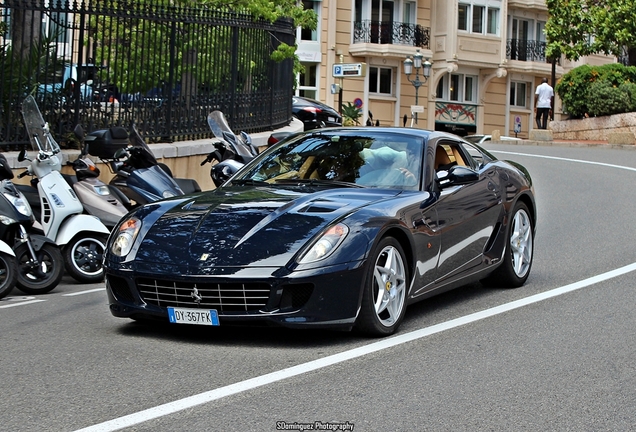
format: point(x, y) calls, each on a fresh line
point(79, 132)
point(120, 153)
point(22, 155)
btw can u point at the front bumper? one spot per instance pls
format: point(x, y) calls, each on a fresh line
point(326, 297)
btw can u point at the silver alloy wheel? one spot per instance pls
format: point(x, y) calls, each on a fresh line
point(521, 243)
point(389, 288)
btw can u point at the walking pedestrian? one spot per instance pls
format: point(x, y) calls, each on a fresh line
point(543, 103)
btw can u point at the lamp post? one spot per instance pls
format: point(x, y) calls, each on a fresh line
point(416, 62)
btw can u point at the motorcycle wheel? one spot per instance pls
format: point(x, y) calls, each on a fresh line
point(8, 274)
point(45, 276)
point(83, 257)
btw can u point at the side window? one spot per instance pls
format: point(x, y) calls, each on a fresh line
point(449, 154)
point(475, 158)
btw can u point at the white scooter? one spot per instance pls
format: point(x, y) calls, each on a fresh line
point(81, 237)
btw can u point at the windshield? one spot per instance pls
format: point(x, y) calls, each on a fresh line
point(38, 130)
point(373, 159)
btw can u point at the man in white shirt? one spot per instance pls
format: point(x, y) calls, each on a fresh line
point(543, 103)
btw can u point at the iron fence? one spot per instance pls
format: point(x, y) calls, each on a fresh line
point(526, 50)
point(383, 32)
point(113, 62)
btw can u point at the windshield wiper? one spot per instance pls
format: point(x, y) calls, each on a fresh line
point(317, 182)
point(251, 182)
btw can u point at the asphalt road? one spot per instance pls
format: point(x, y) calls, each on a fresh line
point(557, 354)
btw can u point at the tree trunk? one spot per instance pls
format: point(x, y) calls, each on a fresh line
point(26, 24)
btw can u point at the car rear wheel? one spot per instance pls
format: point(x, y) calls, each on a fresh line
point(385, 289)
point(515, 268)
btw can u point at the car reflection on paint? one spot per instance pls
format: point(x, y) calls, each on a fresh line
point(315, 114)
point(334, 228)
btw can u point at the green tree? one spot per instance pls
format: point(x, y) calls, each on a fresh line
point(578, 28)
point(195, 49)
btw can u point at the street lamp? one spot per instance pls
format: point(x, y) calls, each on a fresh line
point(408, 69)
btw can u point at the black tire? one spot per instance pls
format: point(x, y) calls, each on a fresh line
point(8, 274)
point(515, 268)
point(83, 257)
point(44, 277)
point(385, 289)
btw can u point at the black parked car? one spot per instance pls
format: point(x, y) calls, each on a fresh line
point(315, 114)
point(339, 228)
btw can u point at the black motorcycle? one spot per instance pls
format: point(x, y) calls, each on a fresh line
point(230, 151)
point(40, 265)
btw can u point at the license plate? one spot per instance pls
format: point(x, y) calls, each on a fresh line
point(193, 316)
point(331, 119)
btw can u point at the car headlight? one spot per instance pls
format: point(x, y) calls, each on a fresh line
point(326, 244)
point(20, 205)
point(168, 194)
point(126, 236)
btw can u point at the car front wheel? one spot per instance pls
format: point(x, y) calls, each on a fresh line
point(385, 289)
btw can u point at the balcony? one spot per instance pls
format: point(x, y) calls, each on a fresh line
point(396, 33)
point(537, 5)
point(525, 50)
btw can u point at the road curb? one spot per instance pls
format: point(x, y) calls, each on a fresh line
point(575, 144)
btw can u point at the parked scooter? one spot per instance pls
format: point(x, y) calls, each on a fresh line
point(231, 151)
point(138, 174)
point(32, 262)
point(81, 237)
point(98, 199)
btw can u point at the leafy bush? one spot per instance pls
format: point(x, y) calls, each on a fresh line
point(604, 98)
point(610, 81)
point(630, 90)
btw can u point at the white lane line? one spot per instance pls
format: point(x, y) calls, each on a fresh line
point(84, 292)
point(566, 159)
point(212, 395)
point(21, 303)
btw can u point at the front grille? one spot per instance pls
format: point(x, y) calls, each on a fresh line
point(224, 297)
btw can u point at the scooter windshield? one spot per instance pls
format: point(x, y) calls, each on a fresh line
point(38, 130)
point(144, 159)
point(218, 124)
point(221, 130)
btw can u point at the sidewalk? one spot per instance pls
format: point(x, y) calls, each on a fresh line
point(570, 143)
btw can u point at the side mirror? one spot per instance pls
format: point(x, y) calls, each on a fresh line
point(79, 132)
point(456, 175)
point(22, 155)
point(120, 153)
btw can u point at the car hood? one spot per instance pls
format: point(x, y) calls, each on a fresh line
point(239, 226)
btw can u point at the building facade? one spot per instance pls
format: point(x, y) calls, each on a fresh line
point(487, 58)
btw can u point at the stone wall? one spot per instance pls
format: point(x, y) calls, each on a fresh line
point(594, 128)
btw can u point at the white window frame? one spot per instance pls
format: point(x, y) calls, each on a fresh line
point(315, 34)
point(479, 24)
point(514, 91)
point(378, 83)
point(312, 87)
point(462, 81)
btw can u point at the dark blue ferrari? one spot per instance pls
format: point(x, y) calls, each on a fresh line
point(333, 228)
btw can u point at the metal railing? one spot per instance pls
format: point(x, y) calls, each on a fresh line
point(163, 67)
point(525, 50)
point(379, 32)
